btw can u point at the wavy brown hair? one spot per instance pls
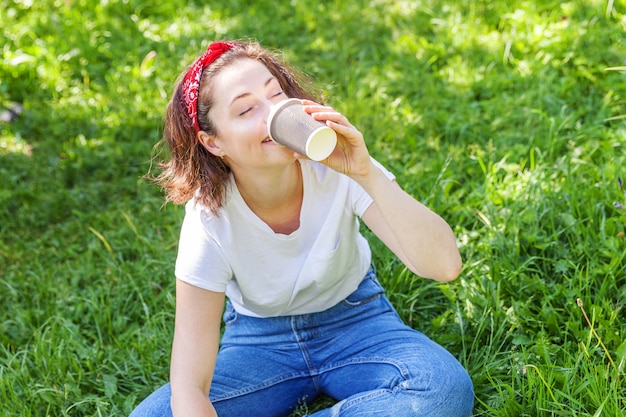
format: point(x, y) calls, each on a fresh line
point(192, 170)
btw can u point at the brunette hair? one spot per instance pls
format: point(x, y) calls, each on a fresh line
point(192, 170)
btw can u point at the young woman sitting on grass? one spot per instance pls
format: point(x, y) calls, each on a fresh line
point(277, 235)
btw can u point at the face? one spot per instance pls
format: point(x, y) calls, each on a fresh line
point(243, 94)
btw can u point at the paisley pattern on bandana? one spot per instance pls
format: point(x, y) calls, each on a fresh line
point(191, 82)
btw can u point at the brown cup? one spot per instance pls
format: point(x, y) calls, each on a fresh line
point(290, 126)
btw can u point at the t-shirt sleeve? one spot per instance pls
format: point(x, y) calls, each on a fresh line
point(360, 199)
point(200, 261)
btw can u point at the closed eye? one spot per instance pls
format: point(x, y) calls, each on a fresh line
point(246, 111)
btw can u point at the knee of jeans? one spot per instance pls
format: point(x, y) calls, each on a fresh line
point(451, 392)
point(156, 404)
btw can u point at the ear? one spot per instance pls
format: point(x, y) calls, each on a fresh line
point(210, 143)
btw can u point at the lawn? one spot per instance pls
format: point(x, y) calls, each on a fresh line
point(506, 117)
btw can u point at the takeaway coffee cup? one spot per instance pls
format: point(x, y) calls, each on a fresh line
point(290, 126)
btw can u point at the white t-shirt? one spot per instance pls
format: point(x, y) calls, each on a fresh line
point(265, 274)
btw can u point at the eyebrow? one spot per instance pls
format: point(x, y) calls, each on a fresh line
point(269, 80)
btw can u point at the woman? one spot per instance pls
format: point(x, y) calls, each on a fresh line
point(277, 236)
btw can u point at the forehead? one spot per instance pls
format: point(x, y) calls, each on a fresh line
point(240, 77)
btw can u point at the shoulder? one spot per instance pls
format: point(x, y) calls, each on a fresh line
point(196, 210)
point(200, 222)
point(194, 226)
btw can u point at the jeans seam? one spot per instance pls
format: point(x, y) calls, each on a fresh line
point(402, 369)
point(313, 373)
point(363, 301)
point(258, 387)
point(364, 397)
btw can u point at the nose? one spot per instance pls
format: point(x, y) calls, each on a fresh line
point(267, 109)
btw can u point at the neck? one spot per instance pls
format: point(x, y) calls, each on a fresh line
point(275, 197)
point(270, 188)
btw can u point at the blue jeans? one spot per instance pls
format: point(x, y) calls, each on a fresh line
point(358, 352)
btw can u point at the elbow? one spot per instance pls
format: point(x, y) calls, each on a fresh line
point(440, 265)
point(446, 271)
point(455, 268)
point(450, 275)
point(452, 269)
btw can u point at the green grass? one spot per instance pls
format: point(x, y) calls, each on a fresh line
point(507, 117)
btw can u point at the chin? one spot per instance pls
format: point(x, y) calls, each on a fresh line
point(284, 152)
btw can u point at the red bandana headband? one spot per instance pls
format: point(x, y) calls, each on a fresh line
point(191, 83)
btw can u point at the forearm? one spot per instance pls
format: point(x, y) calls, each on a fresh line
point(194, 350)
point(420, 237)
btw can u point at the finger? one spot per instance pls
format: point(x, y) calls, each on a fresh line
point(346, 134)
point(318, 109)
point(332, 116)
point(342, 129)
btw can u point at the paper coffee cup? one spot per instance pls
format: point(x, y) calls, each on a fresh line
point(290, 126)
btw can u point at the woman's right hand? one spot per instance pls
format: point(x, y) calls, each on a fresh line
point(350, 156)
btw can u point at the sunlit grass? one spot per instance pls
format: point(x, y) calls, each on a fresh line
point(506, 117)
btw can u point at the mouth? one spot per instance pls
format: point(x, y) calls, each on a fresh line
point(266, 140)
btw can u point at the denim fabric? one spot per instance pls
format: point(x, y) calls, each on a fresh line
point(358, 352)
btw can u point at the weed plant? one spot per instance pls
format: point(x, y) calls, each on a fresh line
point(506, 117)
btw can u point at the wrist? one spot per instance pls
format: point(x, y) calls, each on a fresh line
point(370, 178)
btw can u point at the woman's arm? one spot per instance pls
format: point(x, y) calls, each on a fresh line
point(194, 350)
point(418, 236)
point(422, 240)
